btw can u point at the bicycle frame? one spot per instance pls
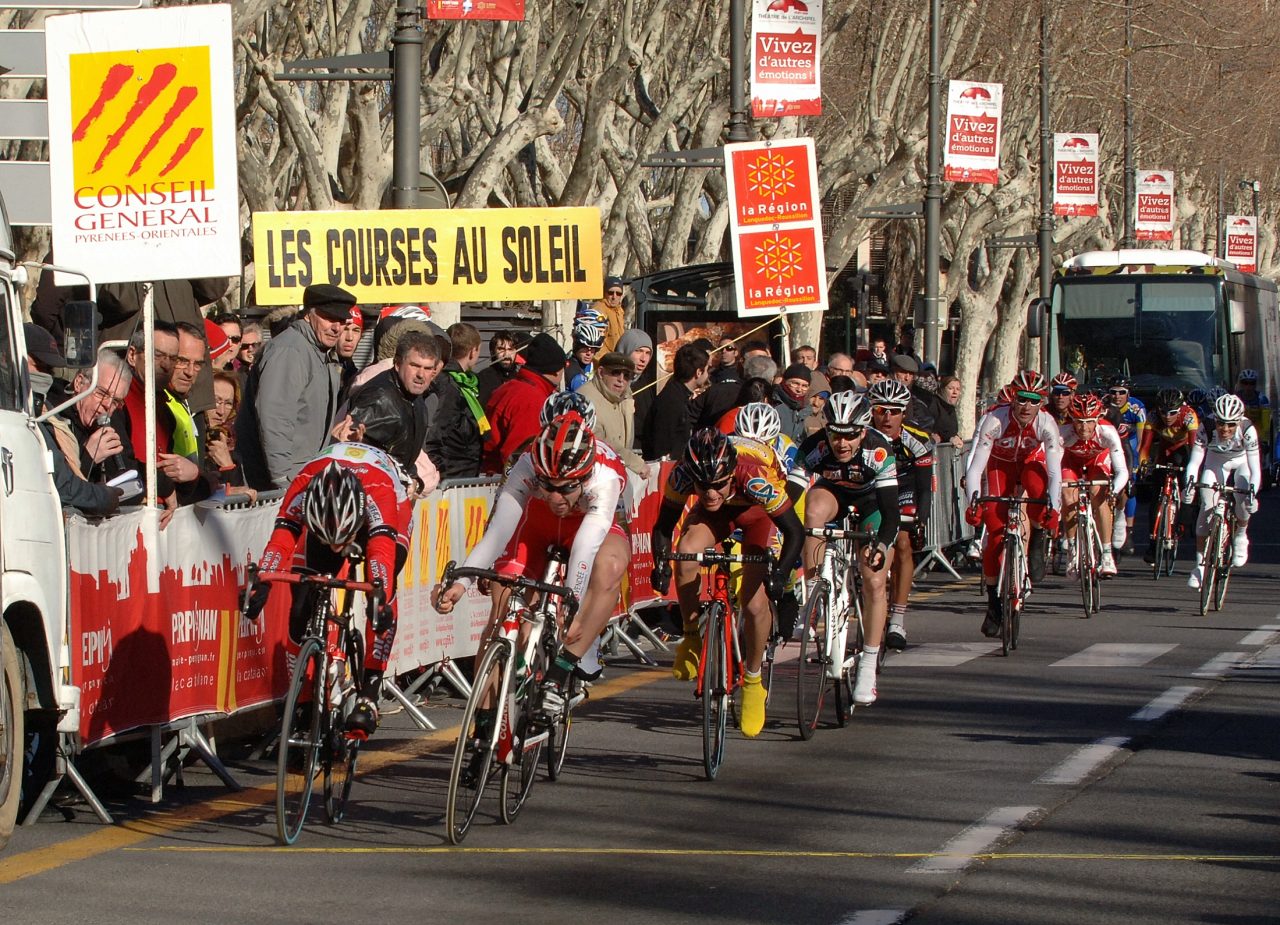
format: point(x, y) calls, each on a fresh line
point(1089, 544)
point(1014, 582)
point(1218, 555)
point(1164, 525)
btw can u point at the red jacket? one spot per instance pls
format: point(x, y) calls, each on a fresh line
point(513, 411)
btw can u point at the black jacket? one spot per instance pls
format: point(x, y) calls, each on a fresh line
point(667, 430)
point(454, 442)
point(493, 376)
point(393, 421)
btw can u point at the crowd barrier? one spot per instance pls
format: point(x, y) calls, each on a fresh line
point(946, 527)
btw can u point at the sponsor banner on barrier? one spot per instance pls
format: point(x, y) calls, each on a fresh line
point(428, 255)
point(1155, 215)
point(1075, 173)
point(786, 58)
point(1242, 242)
point(972, 147)
point(142, 144)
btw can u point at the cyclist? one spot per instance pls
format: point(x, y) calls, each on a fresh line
point(1061, 391)
point(759, 421)
point(913, 451)
point(563, 490)
point(1166, 441)
point(1019, 449)
point(856, 474)
point(734, 483)
point(1227, 456)
point(1129, 415)
point(1091, 450)
point(1247, 390)
point(354, 498)
point(588, 333)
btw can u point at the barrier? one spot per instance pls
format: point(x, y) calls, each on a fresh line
point(947, 526)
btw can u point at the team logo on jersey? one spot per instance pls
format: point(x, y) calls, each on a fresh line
point(762, 489)
point(879, 456)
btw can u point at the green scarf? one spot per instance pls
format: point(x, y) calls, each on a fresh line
point(469, 386)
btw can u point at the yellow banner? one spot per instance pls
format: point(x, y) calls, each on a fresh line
point(430, 255)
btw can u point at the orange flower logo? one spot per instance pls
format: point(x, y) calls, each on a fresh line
point(778, 257)
point(771, 176)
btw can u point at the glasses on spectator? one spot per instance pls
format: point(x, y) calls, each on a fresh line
point(188, 363)
point(249, 343)
point(234, 338)
point(106, 397)
point(563, 489)
point(614, 371)
point(615, 292)
point(729, 348)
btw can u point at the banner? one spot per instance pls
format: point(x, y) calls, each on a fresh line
point(430, 255)
point(1242, 242)
point(142, 144)
point(476, 9)
point(972, 147)
point(786, 58)
point(1154, 220)
point(1075, 173)
point(775, 225)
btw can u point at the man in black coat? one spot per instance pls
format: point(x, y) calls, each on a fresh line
point(455, 442)
point(670, 423)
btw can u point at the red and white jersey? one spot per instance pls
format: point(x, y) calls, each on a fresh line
point(595, 508)
point(1078, 454)
point(1001, 438)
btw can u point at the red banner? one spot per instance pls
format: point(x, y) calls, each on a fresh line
point(1242, 242)
point(972, 145)
point(786, 58)
point(1075, 174)
point(1154, 220)
point(476, 9)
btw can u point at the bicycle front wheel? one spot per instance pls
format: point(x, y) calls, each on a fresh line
point(1010, 590)
point(1225, 557)
point(530, 737)
point(811, 666)
point(473, 755)
point(715, 690)
point(558, 739)
point(1209, 568)
point(301, 740)
point(341, 770)
point(1158, 540)
point(1085, 564)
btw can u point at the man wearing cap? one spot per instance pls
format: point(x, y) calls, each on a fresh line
point(611, 308)
point(348, 341)
point(791, 399)
point(292, 392)
point(920, 411)
point(609, 392)
point(513, 409)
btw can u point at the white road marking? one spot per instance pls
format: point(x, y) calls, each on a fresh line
point(1218, 666)
point(942, 654)
point(981, 837)
point(875, 917)
point(1262, 636)
point(1084, 761)
point(1166, 703)
point(1115, 655)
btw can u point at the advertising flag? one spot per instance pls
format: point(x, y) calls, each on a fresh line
point(972, 150)
point(1075, 173)
point(1153, 190)
point(1242, 242)
point(476, 9)
point(775, 225)
point(786, 62)
point(142, 144)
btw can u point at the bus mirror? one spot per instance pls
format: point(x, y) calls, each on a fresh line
point(1235, 316)
point(1036, 311)
point(80, 334)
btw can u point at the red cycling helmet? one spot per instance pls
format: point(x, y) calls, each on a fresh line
point(1085, 408)
point(1064, 382)
point(1028, 380)
point(564, 450)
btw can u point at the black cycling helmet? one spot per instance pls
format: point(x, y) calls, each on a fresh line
point(710, 456)
point(1169, 400)
point(1120, 381)
point(333, 505)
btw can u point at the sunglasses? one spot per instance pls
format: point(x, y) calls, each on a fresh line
point(1117, 391)
point(563, 489)
point(728, 348)
point(885, 409)
point(719, 486)
point(617, 292)
point(851, 433)
point(1024, 398)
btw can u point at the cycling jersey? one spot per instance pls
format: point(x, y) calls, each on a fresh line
point(1240, 449)
point(1101, 456)
point(913, 454)
point(1131, 420)
point(757, 480)
point(867, 483)
point(1001, 439)
point(1163, 437)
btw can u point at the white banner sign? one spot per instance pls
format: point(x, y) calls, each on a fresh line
point(1242, 242)
point(1075, 173)
point(142, 144)
point(786, 58)
point(1153, 190)
point(972, 152)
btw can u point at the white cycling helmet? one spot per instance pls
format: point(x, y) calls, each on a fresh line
point(559, 403)
point(1248, 375)
point(589, 329)
point(1228, 409)
point(846, 411)
point(758, 421)
point(889, 392)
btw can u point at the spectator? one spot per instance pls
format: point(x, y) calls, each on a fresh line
point(221, 348)
point(813, 420)
point(348, 341)
point(638, 345)
point(920, 411)
point(876, 371)
point(292, 392)
point(513, 409)
point(945, 420)
point(669, 424)
point(610, 394)
point(752, 390)
point(841, 364)
point(725, 361)
point(391, 411)
point(709, 407)
point(456, 441)
point(503, 348)
point(610, 308)
point(791, 399)
point(250, 344)
point(754, 348)
point(129, 419)
point(880, 351)
point(220, 452)
point(906, 344)
point(186, 440)
point(279, 320)
point(230, 326)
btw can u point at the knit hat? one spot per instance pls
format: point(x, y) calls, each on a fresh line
point(42, 347)
point(798, 371)
point(544, 355)
point(219, 343)
point(633, 340)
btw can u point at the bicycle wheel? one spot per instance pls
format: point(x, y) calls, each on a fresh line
point(1209, 576)
point(342, 768)
point(1158, 540)
point(1085, 565)
point(715, 690)
point(1009, 590)
point(473, 758)
point(557, 745)
point(842, 690)
point(1225, 556)
point(529, 738)
point(301, 740)
point(1171, 535)
point(811, 666)
point(1014, 620)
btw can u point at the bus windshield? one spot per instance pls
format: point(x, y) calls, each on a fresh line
point(1160, 332)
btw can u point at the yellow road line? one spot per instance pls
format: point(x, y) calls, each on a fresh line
point(134, 831)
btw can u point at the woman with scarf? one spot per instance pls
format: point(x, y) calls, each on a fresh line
point(455, 441)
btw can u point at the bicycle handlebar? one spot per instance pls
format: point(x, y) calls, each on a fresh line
point(1086, 483)
point(453, 571)
point(1009, 499)
point(712, 557)
point(324, 581)
point(839, 533)
point(1226, 489)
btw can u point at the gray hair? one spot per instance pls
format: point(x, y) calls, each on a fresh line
point(759, 367)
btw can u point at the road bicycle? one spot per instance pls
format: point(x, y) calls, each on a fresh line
point(720, 667)
point(1088, 544)
point(1165, 529)
point(506, 688)
point(327, 675)
point(834, 599)
point(1015, 580)
point(1218, 554)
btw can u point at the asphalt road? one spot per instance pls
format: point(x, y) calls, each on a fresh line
point(1122, 768)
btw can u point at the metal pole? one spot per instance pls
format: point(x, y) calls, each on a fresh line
point(406, 85)
point(1127, 239)
point(1046, 178)
point(933, 191)
point(1222, 219)
point(739, 128)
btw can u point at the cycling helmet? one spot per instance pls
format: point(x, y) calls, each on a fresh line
point(565, 449)
point(333, 505)
point(559, 403)
point(1120, 381)
point(1169, 400)
point(1228, 409)
point(589, 329)
point(1085, 408)
point(1005, 395)
point(889, 392)
point(1028, 380)
point(845, 411)
point(710, 456)
point(1065, 382)
point(758, 421)
point(1248, 375)
point(1196, 397)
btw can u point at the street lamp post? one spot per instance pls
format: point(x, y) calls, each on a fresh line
point(933, 318)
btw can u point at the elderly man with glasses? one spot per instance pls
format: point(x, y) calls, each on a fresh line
point(610, 307)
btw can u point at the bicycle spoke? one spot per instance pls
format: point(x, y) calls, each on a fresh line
point(811, 666)
point(519, 776)
point(473, 756)
point(715, 691)
point(301, 741)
